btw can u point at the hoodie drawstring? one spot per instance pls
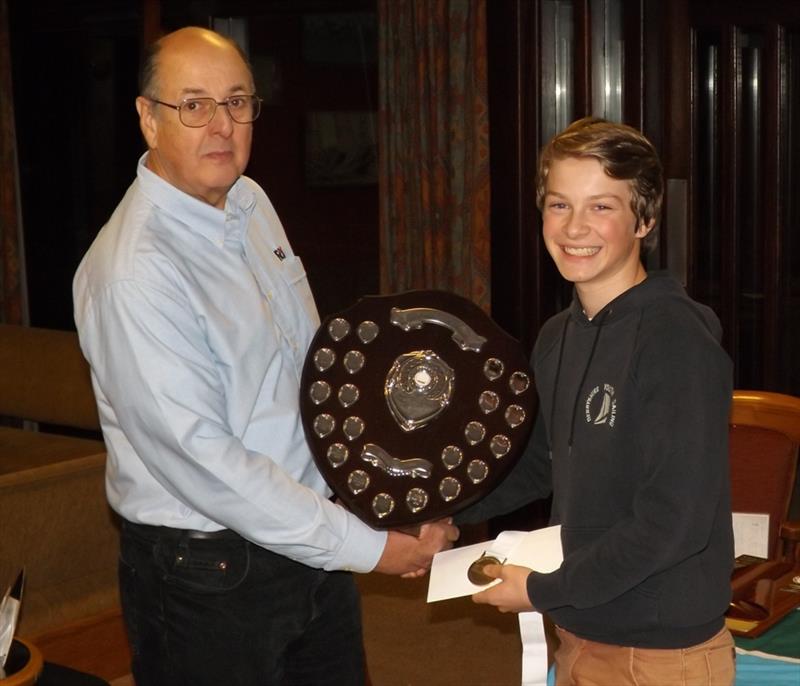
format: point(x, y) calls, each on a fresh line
point(601, 320)
point(555, 382)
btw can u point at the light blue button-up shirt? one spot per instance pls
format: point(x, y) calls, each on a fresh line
point(195, 322)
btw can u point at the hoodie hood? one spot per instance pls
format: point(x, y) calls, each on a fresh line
point(656, 286)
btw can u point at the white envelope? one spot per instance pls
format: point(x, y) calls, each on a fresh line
point(539, 549)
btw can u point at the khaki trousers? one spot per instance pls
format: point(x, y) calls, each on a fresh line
point(586, 663)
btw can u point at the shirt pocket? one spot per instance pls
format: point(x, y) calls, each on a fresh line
point(294, 276)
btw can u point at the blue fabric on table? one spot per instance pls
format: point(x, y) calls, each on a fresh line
point(753, 670)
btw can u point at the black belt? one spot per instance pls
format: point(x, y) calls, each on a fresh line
point(177, 534)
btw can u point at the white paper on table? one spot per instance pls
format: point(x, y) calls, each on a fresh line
point(539, 549)
point(750, 534)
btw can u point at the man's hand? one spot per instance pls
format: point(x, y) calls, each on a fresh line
point(512, 594)
point(411, 556)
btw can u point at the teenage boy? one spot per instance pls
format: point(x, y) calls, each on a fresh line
point(631, 438)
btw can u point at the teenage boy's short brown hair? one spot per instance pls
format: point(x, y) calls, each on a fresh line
point(625, 155)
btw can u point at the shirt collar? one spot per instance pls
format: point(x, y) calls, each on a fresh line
point(215, 224)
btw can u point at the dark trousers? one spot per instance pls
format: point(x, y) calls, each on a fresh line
point(224, 611)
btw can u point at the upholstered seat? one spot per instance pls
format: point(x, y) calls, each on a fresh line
point(54, 518)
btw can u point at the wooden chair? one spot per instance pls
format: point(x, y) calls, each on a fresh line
point(764, 440)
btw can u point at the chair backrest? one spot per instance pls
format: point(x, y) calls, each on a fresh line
point(45, 378)
point(764, 440)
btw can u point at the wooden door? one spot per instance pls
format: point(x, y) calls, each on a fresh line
point(741, 101)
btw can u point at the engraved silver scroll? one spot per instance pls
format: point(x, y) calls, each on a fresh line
point(415, 405)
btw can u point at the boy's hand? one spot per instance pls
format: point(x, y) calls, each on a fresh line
point(512, 594)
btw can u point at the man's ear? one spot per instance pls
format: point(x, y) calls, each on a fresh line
point(148, 122)
point(644, 229)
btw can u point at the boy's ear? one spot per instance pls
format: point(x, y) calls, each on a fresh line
point(644, 229)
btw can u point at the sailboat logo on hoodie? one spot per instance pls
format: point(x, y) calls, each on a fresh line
point(601, 406)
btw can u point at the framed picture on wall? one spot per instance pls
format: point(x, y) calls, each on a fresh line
point(341, 148)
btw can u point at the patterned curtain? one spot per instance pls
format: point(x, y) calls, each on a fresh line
point(12, 282)
point(433, 142)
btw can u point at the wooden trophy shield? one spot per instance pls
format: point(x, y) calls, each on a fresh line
point(415, 406)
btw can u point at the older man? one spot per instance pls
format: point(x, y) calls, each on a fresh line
point(195, 316)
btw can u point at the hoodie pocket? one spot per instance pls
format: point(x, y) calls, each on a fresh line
point(633, 611)
point(691, 595)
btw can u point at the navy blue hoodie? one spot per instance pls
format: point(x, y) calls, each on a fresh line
point(632, 438)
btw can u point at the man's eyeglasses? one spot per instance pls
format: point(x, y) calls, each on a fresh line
point(198, 112)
